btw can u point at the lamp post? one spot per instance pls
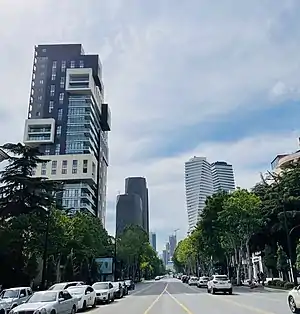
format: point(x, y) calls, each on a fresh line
point(45, 253)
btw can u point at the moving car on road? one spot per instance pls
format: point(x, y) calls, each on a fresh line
point(104, 292)
point(43, 302)
point(10, 298)
point(85, 295)
point(219, 283)
point(202, 282)
point(193, 281)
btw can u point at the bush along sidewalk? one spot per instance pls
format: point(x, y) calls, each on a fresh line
point(280, 284)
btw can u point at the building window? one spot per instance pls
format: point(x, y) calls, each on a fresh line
point(62, 82)
point(47, 150)
point(44, 169)
point(41, 82)
point(40, 97)
point(64, 169)
point(63, 66)
point(61, 98)
point(81, 64)
point(52, 90)
point(53, 76)
point(57, 149)
point(59, 114)
point(54, 64)
point(38, 114)
point(72, 64)
point(93, 169)
point(58, 130)
point(74, 166)
point(85, 166)
point(44, 50)
point(53, 167)
point(51, 106)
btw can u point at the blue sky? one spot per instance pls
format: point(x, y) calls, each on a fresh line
point(211, 78)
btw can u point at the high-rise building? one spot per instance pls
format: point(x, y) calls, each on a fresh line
point(223, 177)
point(69, 121)
point(173, 243)
point(152, 238)
point(198, 186)
point(165, 257)
point(168, 251)
point(138, 185)
point(128, 212)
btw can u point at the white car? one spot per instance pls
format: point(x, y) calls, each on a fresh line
point(10, 298)
point(105, 291)
point(219, 283)
point(193, 281)
point(85, 295)
point(43, 302)
point(294, 300)
point(66, 285)
point(202, 282)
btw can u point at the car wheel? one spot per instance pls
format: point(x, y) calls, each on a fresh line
point(292, 305)
point(230, 291)
point(73, 311)
point(208, 291)
point(95, 303)
point(213, 291)
point(84, 306)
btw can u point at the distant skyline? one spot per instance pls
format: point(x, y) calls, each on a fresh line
point(223, 83)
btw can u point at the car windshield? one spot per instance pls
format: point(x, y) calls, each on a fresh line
point(76, 290)
point(101, 285)
point(43, 297)
point(6, 294)
point(221, 278)
point(59, 286)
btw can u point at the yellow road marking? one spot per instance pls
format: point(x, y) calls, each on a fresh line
point(250, 308)
point(155, 301)
point(179, 303)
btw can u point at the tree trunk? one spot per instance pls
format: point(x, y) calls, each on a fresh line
point(250, 264)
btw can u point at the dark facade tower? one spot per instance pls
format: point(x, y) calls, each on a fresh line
point(128, 212)
point(69, 121)
point(138, 185)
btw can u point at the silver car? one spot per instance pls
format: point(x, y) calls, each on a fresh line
point(10, 298)
point(52, 302)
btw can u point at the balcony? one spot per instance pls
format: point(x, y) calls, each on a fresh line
point(39, 131)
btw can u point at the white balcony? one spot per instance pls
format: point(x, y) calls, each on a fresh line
point(39, 131)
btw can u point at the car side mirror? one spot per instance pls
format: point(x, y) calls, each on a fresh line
point(88, 292)
point(22, 295)
point(61, 300)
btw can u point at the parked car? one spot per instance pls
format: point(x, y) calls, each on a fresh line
point(66, 285)
point(59, 302)
point(130, 284)
point(85, 295)
point(219, 283)
point(294, 299)
point(157, 278)
point(10, 298)
point(202, 282)
point(125, 288)
point(118, 290)
point(104, 291)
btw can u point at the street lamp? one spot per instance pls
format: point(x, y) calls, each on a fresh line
point(45, 253)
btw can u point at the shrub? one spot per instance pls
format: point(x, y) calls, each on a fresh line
point(288, 285)
point(271, 283)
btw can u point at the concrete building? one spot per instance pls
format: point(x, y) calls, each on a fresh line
point(128, 212)
point(198, 186)
point(138, 185)
point(152, 238)
point(281, 160)
point(69, 121)
point(173, 243)
point(223, 177)
point(165, 257)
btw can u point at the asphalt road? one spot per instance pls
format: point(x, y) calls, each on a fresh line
point(170, 296)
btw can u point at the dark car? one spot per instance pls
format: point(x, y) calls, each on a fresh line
point(130, 284)
point(125, 288)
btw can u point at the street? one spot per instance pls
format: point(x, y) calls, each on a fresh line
point(170, 296)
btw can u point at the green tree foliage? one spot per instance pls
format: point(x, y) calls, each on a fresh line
point(51, 270)
point(85, 270)
point(69, 271)
point(20, 192)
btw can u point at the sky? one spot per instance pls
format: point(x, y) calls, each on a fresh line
point(209, 78)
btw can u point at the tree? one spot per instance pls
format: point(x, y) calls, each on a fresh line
point(85, 271)
point(282, 261)
point(20, 192)
point(69, 271)
point(94, 271)
point(51, 271)
point(270, 260)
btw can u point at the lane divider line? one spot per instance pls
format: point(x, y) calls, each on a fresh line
point(179, 303)
point(156, 300)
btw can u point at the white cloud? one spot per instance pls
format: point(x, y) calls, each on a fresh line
point(165, 66)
